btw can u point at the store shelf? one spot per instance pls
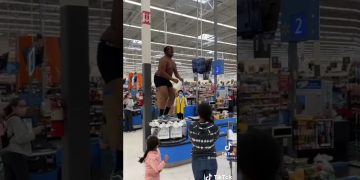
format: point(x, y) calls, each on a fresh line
point(258, 92)
point(96, 124)
point(263, 97)
point(264, 105)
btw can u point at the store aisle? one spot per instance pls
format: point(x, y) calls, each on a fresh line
point(135, 170)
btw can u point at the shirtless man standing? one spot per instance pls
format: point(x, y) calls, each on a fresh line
point(162, 80)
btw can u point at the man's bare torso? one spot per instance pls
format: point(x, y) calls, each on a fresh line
point(170, 65)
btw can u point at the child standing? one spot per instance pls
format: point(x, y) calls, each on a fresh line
point(152, 159)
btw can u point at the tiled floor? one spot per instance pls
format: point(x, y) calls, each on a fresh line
point(135, 171)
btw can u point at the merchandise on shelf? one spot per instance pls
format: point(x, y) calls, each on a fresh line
point(96, 106)
point(260, 100)
point(168, 129)
point(312, 133)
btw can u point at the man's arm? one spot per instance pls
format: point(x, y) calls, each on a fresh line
point(177, 75)
point(162, 70)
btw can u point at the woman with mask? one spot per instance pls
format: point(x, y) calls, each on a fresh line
point(181, 103)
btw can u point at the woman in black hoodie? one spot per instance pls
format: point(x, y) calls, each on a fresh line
point(203, 135)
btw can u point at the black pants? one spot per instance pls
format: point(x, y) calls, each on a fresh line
point(180, 115)
point(15, 166)
point(128, 120)
point(231, 106)
point(160, 81)
point(109, 61)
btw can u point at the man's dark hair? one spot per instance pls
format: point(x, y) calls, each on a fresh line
point(167, 48)
point(259, 156)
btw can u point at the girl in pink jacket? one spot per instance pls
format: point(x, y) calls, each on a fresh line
point(152, 159)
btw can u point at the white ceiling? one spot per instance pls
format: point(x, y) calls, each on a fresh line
point(340, 29)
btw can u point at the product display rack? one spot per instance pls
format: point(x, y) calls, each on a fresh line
point(354, 95)
point(312, 134)
point(355, 146)
point(96, 107)
point(259, 100)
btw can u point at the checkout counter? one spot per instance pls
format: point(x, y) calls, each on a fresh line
point(137, 122)
point(136, 118)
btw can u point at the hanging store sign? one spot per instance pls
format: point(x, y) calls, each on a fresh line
point(146, 17)
point(218, 67)
point(300, 20)
point(262, 47)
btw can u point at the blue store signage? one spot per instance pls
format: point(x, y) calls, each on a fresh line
point(308, 84)
point(218, 67)
point(300, 20)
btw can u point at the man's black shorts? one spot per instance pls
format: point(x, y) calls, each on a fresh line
point(160, 81)
point(110, 61)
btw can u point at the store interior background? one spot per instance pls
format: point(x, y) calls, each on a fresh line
point(178, 27)
point(339, 29)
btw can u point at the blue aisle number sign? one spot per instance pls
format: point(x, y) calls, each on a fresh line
point(300, 20)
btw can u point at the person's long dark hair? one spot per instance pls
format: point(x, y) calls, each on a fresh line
point(9, 109)
point(151, 143)
point(205, 112)
point(126, 95)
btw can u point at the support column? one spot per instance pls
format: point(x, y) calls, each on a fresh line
point(146, 68)
point(293, 68)
point(215, 40)
point(75, 88)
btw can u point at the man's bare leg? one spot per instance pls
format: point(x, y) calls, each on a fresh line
point(162, 96)
point(170, 100)
point(112, 39)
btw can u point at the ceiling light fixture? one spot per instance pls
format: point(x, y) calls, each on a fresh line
point(182, 47)
point(206, 37)
point(201, 1)
point(179, 14)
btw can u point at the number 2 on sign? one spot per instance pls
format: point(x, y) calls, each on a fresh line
point(299, 22)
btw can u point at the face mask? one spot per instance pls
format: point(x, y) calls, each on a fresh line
point(181, 95)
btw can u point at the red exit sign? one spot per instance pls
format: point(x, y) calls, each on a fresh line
point(146, 17)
